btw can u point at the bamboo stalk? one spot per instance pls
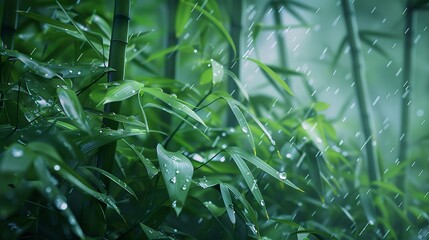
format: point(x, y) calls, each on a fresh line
point(361, 88)
point(406, 93)
point(10, 20)
point(279, 37)
point(118, 44)
point(8, 29)
point(170, 65)
point(235, 29)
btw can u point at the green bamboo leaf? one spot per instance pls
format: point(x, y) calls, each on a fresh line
point(238, 83)
point(47, 20)
point(173, 102)
point(285, 71)
point(152, 233)
point(259, 163)
point(116, 180)
point(177, 172)
point(51, 192)
point(232, 101)
point(213, 209)
point(102, 24)
point(130, 120)
point(249, 179)
point(125, 90)
point(249, 213)
point(226, 197)
point(183, 13)
point(272, 75)
point(314, 160)
point(320, 106)
point(162, 53)
point(217, 71)
point(216, 23)
point(78, 70)
point(286, 221)
point(35, 66)
point(67, 173)
point(316, 233)
point(73, 109)
point(368, 206)
point(15, 161)
point(105, 136)
point(242, 122)
point(150, 168)
point(81, 32)
point(389, 187)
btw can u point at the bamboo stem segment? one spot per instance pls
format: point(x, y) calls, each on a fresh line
point(118, 45)
point(236, 27)
point(406, 92)
point(361, 87)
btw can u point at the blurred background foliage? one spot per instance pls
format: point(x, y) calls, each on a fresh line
point(238, 120)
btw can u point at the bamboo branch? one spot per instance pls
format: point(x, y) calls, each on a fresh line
point(361, 88)
point(118, 45)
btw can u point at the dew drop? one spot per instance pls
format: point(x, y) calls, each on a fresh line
point(173, 180)
point(57, 168)
point(282, 175)
point(17, 152)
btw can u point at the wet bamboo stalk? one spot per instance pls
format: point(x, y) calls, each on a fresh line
point(406, 92)
point(118, 45)
point(236, 28)
point(358, 69)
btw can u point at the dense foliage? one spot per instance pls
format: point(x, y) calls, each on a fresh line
point(213, 119)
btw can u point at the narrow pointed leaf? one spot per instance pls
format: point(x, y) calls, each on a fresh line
point(183, 14)
point(249, 179)
point(152, 233)
point(173, 102)
point(238, 83)
point(150, 168)
point(243, 123)
point(115, 179)
point(216, 23)
point(177, 171)
point(70, 175)
point(125, 90)
point(51, 192)
point(35, 66)
point(272, 75)
point(259, 163)
point(226, 197)
point(73, 109)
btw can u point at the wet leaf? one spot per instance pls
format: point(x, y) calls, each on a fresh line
point(114, 179)
point(272, 75)
point(150, 168)
point(259, 163)
point(226, 197)
point(173, 102)
point(177, 172)
point(216, 23)
point(73, 109)
point(250, 180)
point(125, 90)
